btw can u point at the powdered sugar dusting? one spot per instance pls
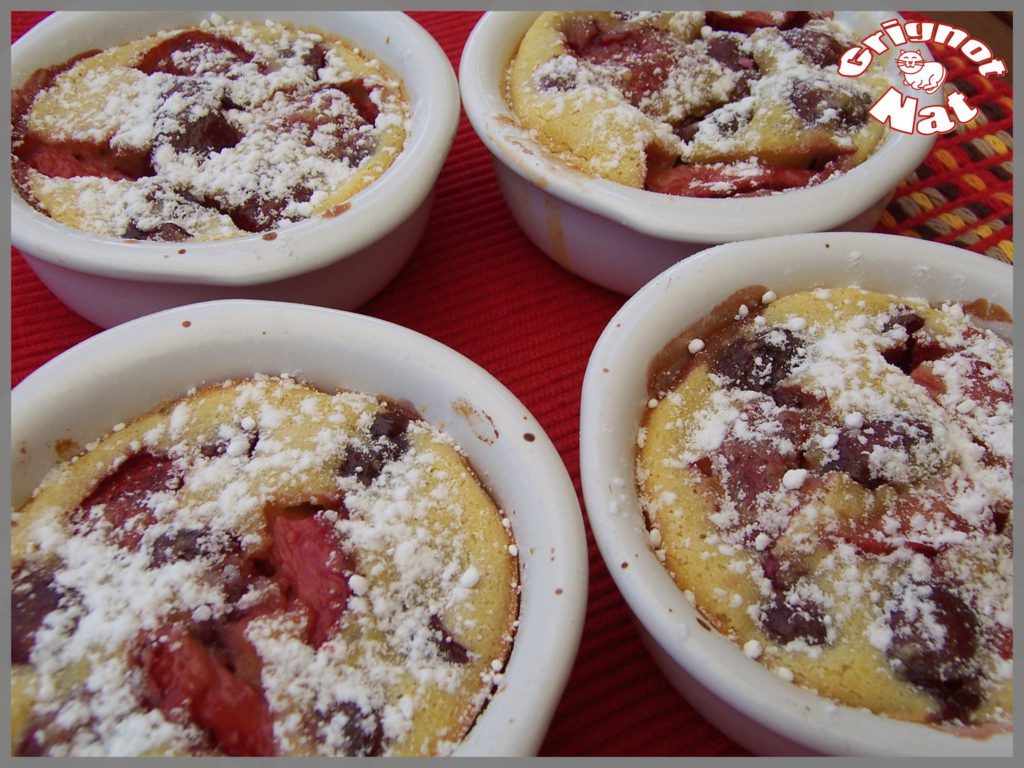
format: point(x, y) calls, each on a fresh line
point(856, 468)
point(234, 144)
point(419, 568)
point(682, 103)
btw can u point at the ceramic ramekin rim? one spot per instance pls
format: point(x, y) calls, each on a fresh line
point(821, 207)
point(623, 351)
point(295, 248)
point(240, 334)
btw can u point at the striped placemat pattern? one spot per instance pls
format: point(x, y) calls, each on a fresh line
point(962, 194)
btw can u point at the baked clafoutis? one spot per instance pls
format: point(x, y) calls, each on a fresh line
point(828, 476)
point(714, 104)
point(219, 130)
point(260, 568)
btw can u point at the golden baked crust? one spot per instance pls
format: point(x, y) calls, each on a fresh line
point(627, 96)
point(243, 128)
point(399, 659)
point(831, 479)
point(588, 125)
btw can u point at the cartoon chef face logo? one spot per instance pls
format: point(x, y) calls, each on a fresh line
point(927, 76)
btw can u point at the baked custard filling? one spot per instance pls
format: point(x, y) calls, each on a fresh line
point(714, 104)
point(260, 568)
point(829, 476)
point(219, 130)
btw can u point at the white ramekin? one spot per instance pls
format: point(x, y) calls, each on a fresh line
point(620, 237)
point(339, 261)
point(749, 703)
point(123, 372)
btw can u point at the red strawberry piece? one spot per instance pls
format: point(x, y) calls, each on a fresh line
point(183, 675)
point(306, 555)
point(648, 54)
point(925, 376)
point(233, 640)
point(884, 528)
point(34, 595)
point(126, 492)
point(358, 93)
point(1002, 639)
point(820, 48)
point(68, 159)
point(750, 20)
point(710, 181)
point(977, 381)
point(579, 31)
point(196, 50)
point(751, 469)
point(40, 80)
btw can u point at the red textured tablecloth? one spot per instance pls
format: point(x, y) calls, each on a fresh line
point(478, 285)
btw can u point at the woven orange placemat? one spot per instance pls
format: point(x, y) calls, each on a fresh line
point(962, 194)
